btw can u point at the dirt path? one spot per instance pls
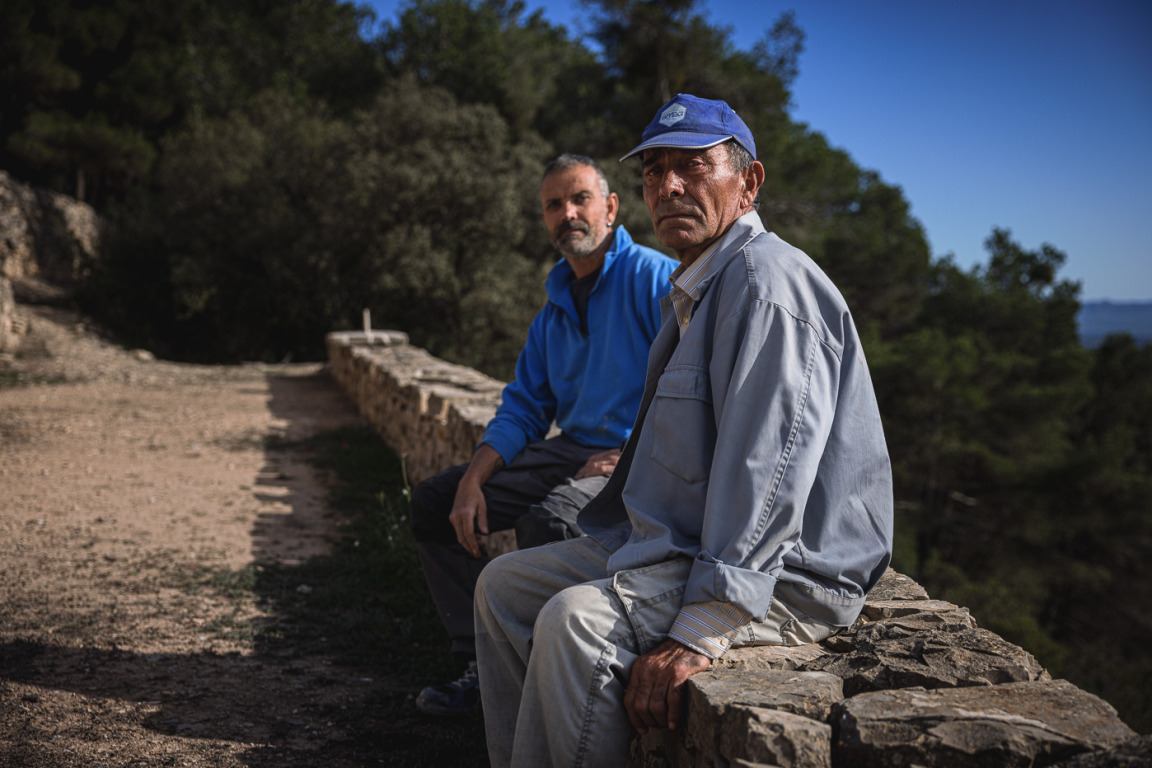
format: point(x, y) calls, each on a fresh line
point(132, 492)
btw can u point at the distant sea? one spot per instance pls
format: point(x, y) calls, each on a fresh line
point(1099, 318)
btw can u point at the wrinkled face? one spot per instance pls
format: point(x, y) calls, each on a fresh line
point(694, 195)
point(576, 211)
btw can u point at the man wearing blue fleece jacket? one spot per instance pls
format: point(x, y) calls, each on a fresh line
point(583, 367)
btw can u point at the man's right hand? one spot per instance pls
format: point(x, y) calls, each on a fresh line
point(656, 685)
point(469, 511)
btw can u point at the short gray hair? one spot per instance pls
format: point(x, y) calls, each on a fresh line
point(566, 161)
point(740, 161)
point(740, 158)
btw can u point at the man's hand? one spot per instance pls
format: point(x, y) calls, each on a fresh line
point(599, 464)
point(656, 686)
point(469, 510)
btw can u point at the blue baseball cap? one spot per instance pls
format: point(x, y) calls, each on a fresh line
point(689, 122)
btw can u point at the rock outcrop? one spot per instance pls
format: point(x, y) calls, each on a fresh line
point(48, 242)
point(1024, 724)
point(45, 236)
point(12, 324)
point(916, 681)
point(934, 648)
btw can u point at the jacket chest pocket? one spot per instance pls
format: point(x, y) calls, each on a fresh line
point(683, 424)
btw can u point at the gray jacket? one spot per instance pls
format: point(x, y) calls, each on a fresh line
point(761, 455)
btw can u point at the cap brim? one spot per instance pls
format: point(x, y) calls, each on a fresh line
point(680, 140)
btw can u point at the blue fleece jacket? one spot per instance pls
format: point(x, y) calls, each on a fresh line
point(590, 385)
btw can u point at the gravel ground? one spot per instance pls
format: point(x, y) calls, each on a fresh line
point(135, 497)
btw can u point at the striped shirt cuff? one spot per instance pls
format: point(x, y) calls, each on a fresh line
point(709, 627)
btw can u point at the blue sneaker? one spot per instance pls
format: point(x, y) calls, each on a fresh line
point(455, 698)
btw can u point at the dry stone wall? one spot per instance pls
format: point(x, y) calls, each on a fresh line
point(431, 412)
point(916, 682)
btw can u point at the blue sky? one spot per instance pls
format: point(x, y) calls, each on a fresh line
point(1031, 116)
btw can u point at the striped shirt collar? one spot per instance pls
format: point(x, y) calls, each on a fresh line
point(686, 286)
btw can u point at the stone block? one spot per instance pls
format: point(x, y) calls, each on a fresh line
point(879, 610)
point(1018, 724)
point(764, 716)
point(809, 694)
point(766, 737)
point(771, 657)
point(749, 717)
point(897, 586)
point(951, 656)
point(1134, 753)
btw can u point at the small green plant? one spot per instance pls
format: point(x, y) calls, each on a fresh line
point(234, 584)
point(231, 627)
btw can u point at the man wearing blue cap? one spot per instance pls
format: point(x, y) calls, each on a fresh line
point(752, 504)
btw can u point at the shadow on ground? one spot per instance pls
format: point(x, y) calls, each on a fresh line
point(341, 642)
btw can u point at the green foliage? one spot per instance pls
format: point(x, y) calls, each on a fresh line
point(93, 88)
point(977, 395)
point(85, 86)
point(487, 53)
point(280, 222)
point(229, 236)
point(1118, 422)
point(449, 216)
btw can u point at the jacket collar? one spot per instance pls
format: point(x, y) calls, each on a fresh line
point(561, 275)
point(742, 231)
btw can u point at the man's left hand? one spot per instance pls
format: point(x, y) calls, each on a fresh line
point(657, 683)
point(599, 464)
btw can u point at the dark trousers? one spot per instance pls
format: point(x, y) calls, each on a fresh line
point(514, 493)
